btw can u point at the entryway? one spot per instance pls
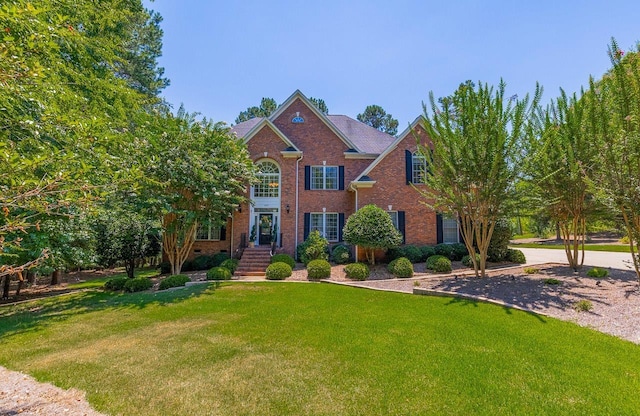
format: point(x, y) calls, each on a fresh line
point(265, 228)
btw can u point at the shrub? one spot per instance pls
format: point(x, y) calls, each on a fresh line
point(314, 247)
point(551, 281)
point(138, 284)
point(516, 256)
point(598, 272)
point(357, 271)
point(413, 253)
point(583, 305)
point(278, 271)
point(431, 260)
point(443, 249)
point(401, 267)
point(283, 258)
point(230, 264)
point(531, 270)
point(341, 254)
point(371, 229)
point(218, 258)
point(466, 260)
point(394, 253)
point(498, 246)
point(427, 251)
point(318, 269)
point(187, 266)
point(458, 251)
point(165, 267)
point(203, 262)
point(218, 273)
point(174, 281)
point(116, 284)
point(441, 265)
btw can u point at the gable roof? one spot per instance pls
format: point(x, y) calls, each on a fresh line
point(241, 129)
point(365, 137)
point(250, 127)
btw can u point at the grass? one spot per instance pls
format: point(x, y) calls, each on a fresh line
point(97, 283)
point(301, 348)
point(617, 248)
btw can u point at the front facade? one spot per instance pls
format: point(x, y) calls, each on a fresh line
point(315, 171)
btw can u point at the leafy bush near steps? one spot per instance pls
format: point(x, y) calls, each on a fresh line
point(357, 271)
point(173, 281)
point(401, 267)
point(283, 258)
point(278, 271)
point(313, 248)
point(318, 269)
point(230, 264)
point(218, 273)
point(138, 284)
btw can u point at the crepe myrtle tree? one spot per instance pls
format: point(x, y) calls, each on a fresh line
point(371, 228)
point(476, 136)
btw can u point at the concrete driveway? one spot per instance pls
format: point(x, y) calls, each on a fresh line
point(591, 258)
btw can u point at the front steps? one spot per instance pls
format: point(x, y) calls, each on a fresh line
point(254, 262)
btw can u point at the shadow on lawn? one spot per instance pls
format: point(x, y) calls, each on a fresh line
point(40, 313)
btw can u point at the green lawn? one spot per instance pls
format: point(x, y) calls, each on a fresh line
point(618, 248)
point(297, 348)
point(97, 283)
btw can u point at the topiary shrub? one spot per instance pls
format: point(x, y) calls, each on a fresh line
point(341, 254)
point(516, 256)
point(230, 264)
point(278, 271)
point(218, 273)
point(439, 263)
point(138, 284)
point(116, 284)
point(598, 272)
point(458, 251)
point(174, 281)
point(466, 260)
point(314, 247)
point(283, 258)
point(318, 269)
point(401, 267)
point(413, 253)
point(427, 251)
point(357, 271)
point(165, 267)
point(443, 249)
point(393, 253)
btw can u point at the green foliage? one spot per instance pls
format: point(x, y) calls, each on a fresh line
point(278, 271)
point(498, 245)
point(376, 117)
point(551, 281)
point(230, 264)
point(116, 284)
point(165, 267)
point(516, 256)
point(598, 272)
point(357, 271)
point(458, 251)
point(401, 267)
point(205, 262)
point(176, 280)
point(318, 269)
point(531, 270)
point(283, 258)
point(371, 228)
point(439, 264)
point(320, 104)
point(583, 305)
point(466, 260)
point(413, 253)
point(341, 254)
point(218, 273)
point(427, 251)
point(313, 248)
point(444, 249)
point(138, 284)
point(267, 107)
point(393, 253)
point(188, 266)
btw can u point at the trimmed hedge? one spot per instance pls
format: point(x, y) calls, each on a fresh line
point(443, 249)
point(174, 281)
point(116, 284)
point(466, 260)
point(219, 273)
point(318, 269)
point(439, 264)
point(401, 267)
point(413, 253)
point(278, 271)
point(393, 253)
point(516, 256)
point(230, 264)
point(357, 271)
point(165, 267)
point(341, 254)
point(458, 251)
point(427, 251)
point(205, 262)
point(283, 258)
point(138, 284)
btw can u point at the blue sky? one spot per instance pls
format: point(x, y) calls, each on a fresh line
point(224, 56)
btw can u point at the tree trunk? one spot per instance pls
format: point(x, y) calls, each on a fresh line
point(129, 266)
point(20, 283)
point(31, 277)
point(177, 253)
point(55, 277)
point(5, 288)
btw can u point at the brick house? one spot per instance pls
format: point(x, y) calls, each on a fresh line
point(318, 169)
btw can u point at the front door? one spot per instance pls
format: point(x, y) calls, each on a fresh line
point(265, 226)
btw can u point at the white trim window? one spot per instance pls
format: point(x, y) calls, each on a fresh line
point(449, 230)
point(394, 219)
point(269, 181)
point(326, 223)
point(419, 168)
point(324, 177)
point(208, 232)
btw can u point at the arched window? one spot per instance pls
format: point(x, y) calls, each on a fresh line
point(269, 181)
point(419, 168)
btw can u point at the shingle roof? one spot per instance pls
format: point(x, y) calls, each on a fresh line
point(241, 129)
point(368, 139)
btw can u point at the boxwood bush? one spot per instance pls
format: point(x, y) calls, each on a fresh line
point(443, 249)
point(458, 251)
point(401, 267)
point(218, 273)
point(278, 271)
point(394, 253)
point(174, 281)
point(516, 256)
point(315, 247)
point(283, 258)
point(231, 264)
point(439, 263)
point(357, 271)
point(413, 253)
point(427, 251)
point(598, 272)
point(138, 284)
point(116, 284)
point(165, 267)
point(318, 269)
point(466, 260)
point(341, 254)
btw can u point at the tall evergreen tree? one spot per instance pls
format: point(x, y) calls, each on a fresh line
point(376, 117)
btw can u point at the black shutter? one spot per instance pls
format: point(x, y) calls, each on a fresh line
point(307, 177)
point(223, 233)
point(408, 166)
point(307, 224)
point(439, 236)
point(340, 225)
point(341, 178)
point(401, 227)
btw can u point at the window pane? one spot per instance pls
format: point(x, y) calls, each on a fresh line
point(449, 230)
point(317, 223)
point(394, 219)
point(331, 227)
point(419, 164)
point(203, 232)
point(317, 177)
point(214, 233)
point(331, 177)
point(269, 185)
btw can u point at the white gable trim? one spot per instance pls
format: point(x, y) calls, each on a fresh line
point(276, 130)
